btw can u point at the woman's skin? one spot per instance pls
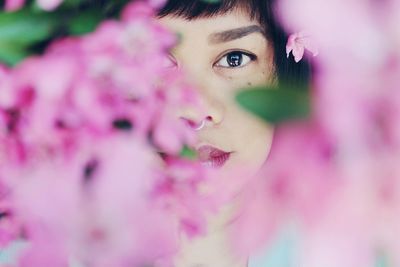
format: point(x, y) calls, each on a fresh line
point(221, 55)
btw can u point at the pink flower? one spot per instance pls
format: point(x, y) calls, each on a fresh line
point(298, 43)
point(157, 3)
point(278, 194)
point(75, 125)
point(49, 5)
point(329, 176)
point(7, 96)
point(12, 5)
point(138, 9)
point(10, 229)
point(358, 18)
point(181, 192)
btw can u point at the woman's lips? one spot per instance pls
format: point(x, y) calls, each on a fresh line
point(213, 157)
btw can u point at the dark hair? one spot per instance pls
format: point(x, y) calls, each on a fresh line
point(287, 69)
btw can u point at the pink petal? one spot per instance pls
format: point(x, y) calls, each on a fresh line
point(167, 136)
point(49, 4)
point(298, 52)
point(310, 45)
point(290, 44)
point(12, 5)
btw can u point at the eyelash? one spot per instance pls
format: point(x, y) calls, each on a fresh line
point(250, 56)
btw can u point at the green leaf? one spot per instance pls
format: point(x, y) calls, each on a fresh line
point(211, 1)
point(188, 153)
point(85, 22)
point(274, 104)
point(67, 4)
point(25, 28)
point(11, 53)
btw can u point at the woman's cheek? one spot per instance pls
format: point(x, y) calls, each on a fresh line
point(250, 75)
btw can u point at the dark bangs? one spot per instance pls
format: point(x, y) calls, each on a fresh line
point(262, 11)
point(193, 9)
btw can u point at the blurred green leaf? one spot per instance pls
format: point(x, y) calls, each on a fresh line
point(211, 1)
point(274, 104)
point(71, 3)
point(25, 28)
point(11, 53)
point(85, 22)
point(188, 153)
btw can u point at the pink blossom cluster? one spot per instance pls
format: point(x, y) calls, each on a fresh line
point(12, 5)
point(49, 5)
point(82, 128)
point(336, 177)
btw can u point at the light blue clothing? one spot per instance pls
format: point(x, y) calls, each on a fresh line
point(281, 253)
point(10, 254)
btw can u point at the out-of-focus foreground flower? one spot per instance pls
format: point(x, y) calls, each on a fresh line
point(335, 177)
point(81, 178)
point(48, 5)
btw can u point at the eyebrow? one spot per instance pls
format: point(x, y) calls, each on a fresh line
point(233, 34)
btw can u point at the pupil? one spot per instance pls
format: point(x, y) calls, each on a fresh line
point(235, 59)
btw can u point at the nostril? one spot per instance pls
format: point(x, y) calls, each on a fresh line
point(189, 122)
point(194, 125)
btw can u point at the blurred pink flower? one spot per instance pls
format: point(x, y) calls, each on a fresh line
point(182, 194)
point(48, 5)
point(7, 97)
point(335, 37)
point(12, 5)
point(278, 194)
point(330, 175)
point(137, 9)
point(75, 127)
point(9, 227)
point(157, 3)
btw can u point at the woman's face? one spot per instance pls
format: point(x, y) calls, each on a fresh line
point(221, 55)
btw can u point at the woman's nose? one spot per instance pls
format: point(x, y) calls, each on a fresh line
point(210, 113)
point(212, 108)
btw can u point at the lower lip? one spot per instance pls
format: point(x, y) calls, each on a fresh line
point(215, 158)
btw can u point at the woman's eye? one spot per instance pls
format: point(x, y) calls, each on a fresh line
point(235, 59)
